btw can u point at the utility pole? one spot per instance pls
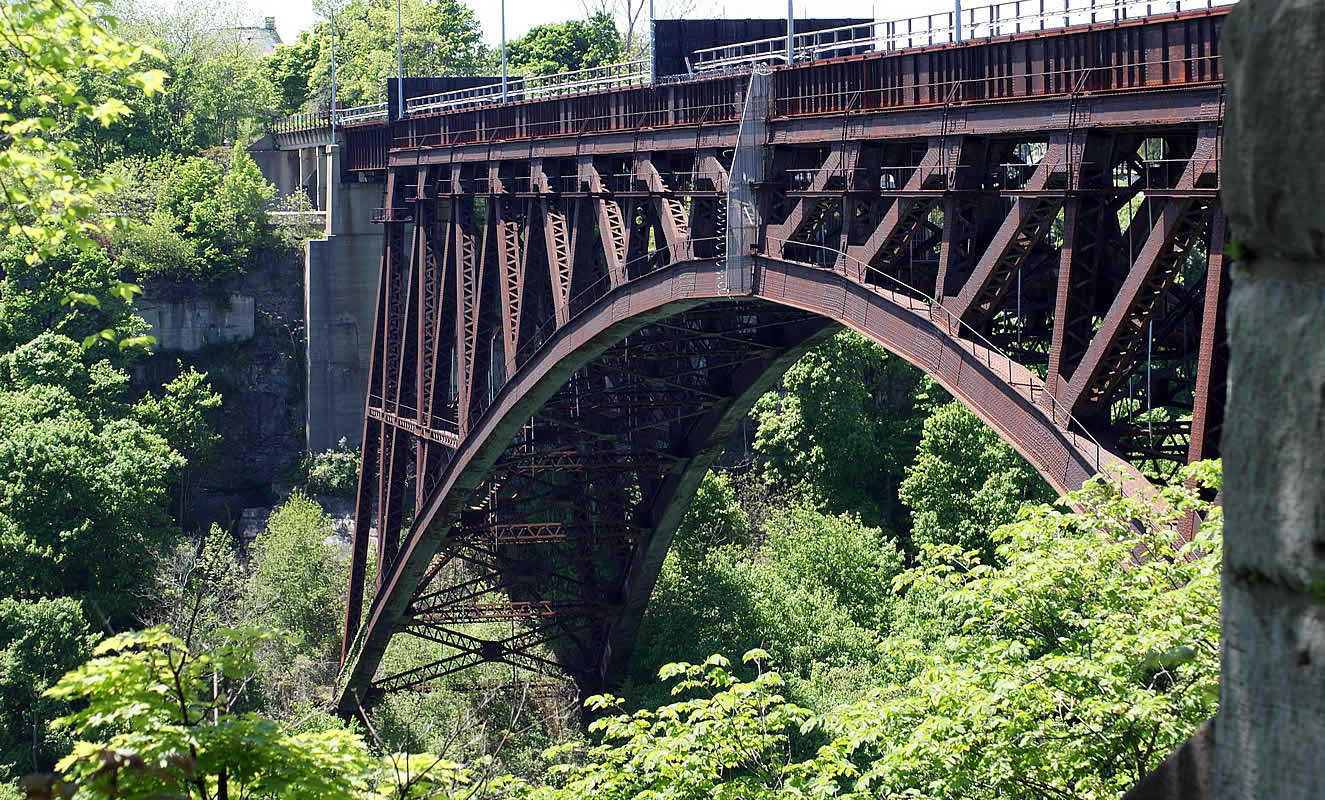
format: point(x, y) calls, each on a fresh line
point(400, 68)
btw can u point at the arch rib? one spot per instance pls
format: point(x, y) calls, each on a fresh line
point(1000, 392)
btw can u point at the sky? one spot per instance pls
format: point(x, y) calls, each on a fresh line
point(293, 16)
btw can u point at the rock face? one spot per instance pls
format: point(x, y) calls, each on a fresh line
point(190, 324)
point(1272, 714)
point(260, 378)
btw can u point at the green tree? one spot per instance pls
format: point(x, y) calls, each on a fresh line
point(714, 518)
point(565, 46)
point(154, 718)
point(440, 37)
point(842, 430)
point(298, 581)
point(45, 200)
point(965, 482)
point(216, 93)
point(198, 221)
point(184, 414)
point(1076, 669)
point(292, 70)
point(813, 593)
point(39, 641)
point(83, 504)
point(34, 297)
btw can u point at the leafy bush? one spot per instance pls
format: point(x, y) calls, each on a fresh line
point(34, 297)
point(298, 581)
point(965, 482)
point(333, 472)
point(842, 430)
point(158, 248)
point(39, 639)
point(84, 502)
point(197, 222)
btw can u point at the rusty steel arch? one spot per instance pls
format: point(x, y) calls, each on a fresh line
point(563, 341)
point(1007, 396)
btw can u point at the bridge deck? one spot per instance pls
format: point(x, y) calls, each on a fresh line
point(1129, 57)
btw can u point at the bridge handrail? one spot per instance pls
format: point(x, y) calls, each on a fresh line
point(606, 76)
point(350, 116)
point(302, 120)
point(980, 22)
point(933, 307)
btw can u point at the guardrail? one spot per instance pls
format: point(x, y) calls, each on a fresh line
point(608, 76)
point(979, 22)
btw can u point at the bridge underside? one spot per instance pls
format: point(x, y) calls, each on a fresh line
point(548, 564)
point(561, 349)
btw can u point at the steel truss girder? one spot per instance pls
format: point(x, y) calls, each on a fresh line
point(592, 476)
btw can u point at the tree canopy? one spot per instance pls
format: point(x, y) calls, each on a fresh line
point(565, 46)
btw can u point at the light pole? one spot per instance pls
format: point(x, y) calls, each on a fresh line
point(400, 68)
point(790, 34)
point(503, 51)
point(332, 13)
point(957, 21)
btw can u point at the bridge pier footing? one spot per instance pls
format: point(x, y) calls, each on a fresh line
point(340, 279)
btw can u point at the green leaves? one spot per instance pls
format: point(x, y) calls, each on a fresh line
point(965, 482)
point(843, 431)
point(195, 223)
point(154, 717)
point(44, 200)
point(565, 46)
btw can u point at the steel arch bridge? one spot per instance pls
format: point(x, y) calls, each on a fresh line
point(581, 297)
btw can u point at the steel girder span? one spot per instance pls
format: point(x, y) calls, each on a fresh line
point(553, 373)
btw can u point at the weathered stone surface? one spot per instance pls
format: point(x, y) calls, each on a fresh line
point(1187, 774)
point(1270, 720)
point(261, 380)
point(1273, 173)
point(1274, 436)
point(1272, 712)
point(188, 325)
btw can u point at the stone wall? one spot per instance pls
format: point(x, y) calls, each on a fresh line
point(189, 324)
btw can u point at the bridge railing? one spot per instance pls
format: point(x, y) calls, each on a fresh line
point(978, 22)
point(359, 114)
point(811, 90)
point(995, 360)
point(304, 120)
point(608, 76)
point(807, 95)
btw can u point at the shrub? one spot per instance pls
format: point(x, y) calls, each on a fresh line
point(334, 472)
